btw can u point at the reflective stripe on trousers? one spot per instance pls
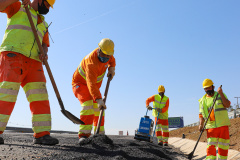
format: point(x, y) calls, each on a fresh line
point(89, 113)
point(29, 74)
point(90, 118)
point(162, 130)
point(218, 136)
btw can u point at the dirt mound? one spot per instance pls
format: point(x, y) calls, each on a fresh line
point(193, 134)
point(99, 141)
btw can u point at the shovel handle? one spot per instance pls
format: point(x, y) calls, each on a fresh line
point(102, 110)
point(44, 61)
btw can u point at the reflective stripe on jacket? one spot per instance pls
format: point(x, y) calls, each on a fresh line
point(220, 112)
point(19, 36)
point(91, 72)
point(158, 103)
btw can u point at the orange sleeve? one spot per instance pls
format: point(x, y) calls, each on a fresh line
point(12, 9)
point(200, 116)
point(149, 100)
point(46, 39)
point(166, 106)
point(112, 62)
point(91, 80)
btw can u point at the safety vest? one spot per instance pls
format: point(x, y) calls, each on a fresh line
point(19, 36)
point(83, 74)
point(158, 103)
point(220, 112)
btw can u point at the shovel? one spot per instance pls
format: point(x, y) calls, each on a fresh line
point(191, 154)
point(102, 110)
point(66, 113)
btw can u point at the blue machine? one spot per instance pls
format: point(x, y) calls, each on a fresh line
point(144, 132)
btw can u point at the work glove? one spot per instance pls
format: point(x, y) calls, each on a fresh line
point(149, 107)
point(101, 104)
point(111, 72)
point(159, 110)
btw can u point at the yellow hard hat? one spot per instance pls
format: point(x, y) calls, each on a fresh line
point(207, 83)
point(107, 46)
point(161, 88)
point(51, 2)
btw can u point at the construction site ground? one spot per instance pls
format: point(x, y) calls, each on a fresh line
point(19, 146)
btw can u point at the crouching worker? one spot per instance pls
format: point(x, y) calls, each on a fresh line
point(86, 83)
point(161, 105)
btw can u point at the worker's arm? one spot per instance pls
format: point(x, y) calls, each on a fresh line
point(45, 45)
point(164, 109)
point(149, 100)
point(201, 122)
point(91, 80)
point(226, 102)
point(111, 68)
point(5, 3)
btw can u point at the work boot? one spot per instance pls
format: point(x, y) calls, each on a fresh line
point(160, 143)
point(165, 144)
point(82, 140)
point(46, 140)
point(1, 140)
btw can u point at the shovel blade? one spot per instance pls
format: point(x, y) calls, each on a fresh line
point(71, 117)
point(190, 156)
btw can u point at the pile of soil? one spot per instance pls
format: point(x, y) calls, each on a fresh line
point(193, 134)
point(101, 147)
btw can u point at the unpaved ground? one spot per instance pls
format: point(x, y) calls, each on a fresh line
point(193, 134)
point(19, 146)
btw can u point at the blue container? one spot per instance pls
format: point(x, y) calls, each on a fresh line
point(145, 125)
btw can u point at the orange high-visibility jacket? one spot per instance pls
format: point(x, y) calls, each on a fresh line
point(93, 68)
point(152, 98)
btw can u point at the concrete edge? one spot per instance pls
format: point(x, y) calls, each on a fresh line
point(186, 146)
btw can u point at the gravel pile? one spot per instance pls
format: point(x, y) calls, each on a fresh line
point(101, 147)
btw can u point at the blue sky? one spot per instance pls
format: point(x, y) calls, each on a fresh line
point(172, 43)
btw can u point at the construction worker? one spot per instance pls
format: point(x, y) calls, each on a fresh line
point(218, 122)
point(161, 105)
point(86, 82)
point(21, 64)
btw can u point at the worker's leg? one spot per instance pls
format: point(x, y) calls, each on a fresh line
point(34, 85)
point(10, 80)
point(165, 130)
point(223, 142)
point(158, 130)
point(212, 138)
point(87, 113)
point(96, 117)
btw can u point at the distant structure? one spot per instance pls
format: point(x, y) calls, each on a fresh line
point(120, 133)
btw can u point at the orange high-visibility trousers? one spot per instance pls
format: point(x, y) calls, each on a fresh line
point(162, 130)
point(218, 136)
point(18, 70)
point(89, 113)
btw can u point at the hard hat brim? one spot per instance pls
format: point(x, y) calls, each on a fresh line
point(108, 53)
